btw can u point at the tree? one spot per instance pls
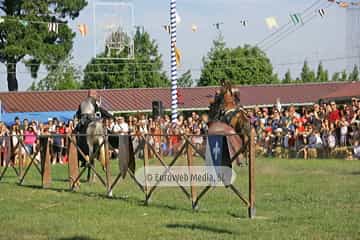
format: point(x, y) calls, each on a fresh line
point(307, 75)
point(24, 34)
point(185, 79)
point(287, 78)
point(354, 75)
point(322, 75)
point(62, 77)
point(241, 65)
point(145, 70)
point(343, 76)
point(335, 77)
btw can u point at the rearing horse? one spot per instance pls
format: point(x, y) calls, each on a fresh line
point(224, 109)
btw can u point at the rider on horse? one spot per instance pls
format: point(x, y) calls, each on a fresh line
point(89, 109)
point(230, 101)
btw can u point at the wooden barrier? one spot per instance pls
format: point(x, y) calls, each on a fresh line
point(186, 148)
point(73, 163)
point(8, 159)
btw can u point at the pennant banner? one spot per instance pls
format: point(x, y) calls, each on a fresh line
point(83, 29)
point(296, 18)
point(321, 12)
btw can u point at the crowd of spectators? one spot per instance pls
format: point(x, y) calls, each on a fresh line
point(280, 131)
point(322, 128)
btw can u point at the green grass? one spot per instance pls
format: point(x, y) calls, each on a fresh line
point(295, 199)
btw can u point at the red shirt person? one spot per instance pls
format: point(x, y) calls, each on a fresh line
point(334, 115)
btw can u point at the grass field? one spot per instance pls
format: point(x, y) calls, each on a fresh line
point(295, 199)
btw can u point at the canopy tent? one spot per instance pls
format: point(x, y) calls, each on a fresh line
point(9, 118)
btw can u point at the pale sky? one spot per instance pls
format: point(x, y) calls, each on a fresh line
point(320, 38)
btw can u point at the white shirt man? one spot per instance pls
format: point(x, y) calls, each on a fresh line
point(121, 126)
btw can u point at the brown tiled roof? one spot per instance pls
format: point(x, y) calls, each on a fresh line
point(346, 91)
point(194, 98)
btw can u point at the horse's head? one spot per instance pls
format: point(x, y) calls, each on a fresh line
point(215, 108)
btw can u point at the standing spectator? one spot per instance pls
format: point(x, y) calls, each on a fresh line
point(4, 141)
point(334, 115)
point(29, 140)
point(121, 127)
point(58, 145)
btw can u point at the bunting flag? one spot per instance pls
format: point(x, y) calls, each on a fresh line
point(178, 18)
point(178, 56)
point(271, 22)
point(296, 18)
point(167, 28)
point(343, 4)
point(217, 25)
point(194, 28)
point(321, 12)
point(83, 29)
point(53, 27)
point(243, 22)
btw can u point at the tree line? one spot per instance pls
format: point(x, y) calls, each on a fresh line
point(36, 46)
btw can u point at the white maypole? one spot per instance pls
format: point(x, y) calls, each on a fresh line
point(174, 97)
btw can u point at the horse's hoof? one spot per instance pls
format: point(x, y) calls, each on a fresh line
point(110, 194)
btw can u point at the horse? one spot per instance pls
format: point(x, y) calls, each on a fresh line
point(92, 132)
point(225, 109)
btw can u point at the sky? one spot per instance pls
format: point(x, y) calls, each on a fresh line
point(321, 38)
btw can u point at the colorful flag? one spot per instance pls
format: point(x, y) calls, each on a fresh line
point(53, 27)
point(271, 22)
point(83, 29)
point(296, 18)
point(321, 12)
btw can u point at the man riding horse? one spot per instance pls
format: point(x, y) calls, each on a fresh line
point(225, 108)
point(89, 111)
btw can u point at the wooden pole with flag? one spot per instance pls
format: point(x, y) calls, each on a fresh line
point(173, 65)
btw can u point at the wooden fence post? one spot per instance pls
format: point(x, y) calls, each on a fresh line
point(189, 154)
point(45, 162)
point(146, 165)
point(73, 161)
point(252, 209)
point(22, 157)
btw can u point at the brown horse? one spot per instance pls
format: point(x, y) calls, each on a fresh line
point(224, 109)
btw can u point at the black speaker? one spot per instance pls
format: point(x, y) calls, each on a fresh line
point(157, 109)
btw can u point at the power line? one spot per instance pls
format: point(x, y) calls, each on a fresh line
point(228, 66)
